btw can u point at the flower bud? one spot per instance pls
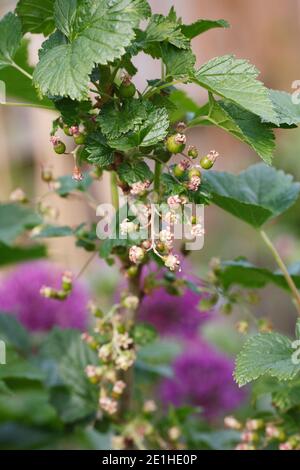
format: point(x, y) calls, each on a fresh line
point(231, 422)
point(136, 254)
point(131, 302)
point(172, 262)
point(255, 424)
point(18, 195)
point(46, 174)
point(192, 151)
point(139, 188)
point(194, 183)
point(181, 127)
point(67, 281)
point(174, 433)
point(118, 387)
point(109, 405)
point(285, 446)
point(149, 406)
point(127, 227)
point(242, 327)
point(77, 175)
point(174, 202)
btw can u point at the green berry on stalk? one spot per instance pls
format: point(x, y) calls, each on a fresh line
point(58, 146)
point(66, 130)
point(126, 90)
point(132, 272)
point(209, 160)
point(206, 163)
point(192, 152)
point(80, 138)
point(194, 172)
point(179, 171)
point(176, 143)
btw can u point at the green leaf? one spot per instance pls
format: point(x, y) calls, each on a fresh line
point(17, 254)
point(184, 104)
point(99, 33)
point(72, 111)
point(288, 112)
point(56, 39)
point(65, 356)
point(179, 63)
point(13, 333)
point(66, 184)
point(135, 172)
point(217, 440)
point(144, 334)
point(22, 370)
point(162, 28)
point(114, 122)
point(242, 272)
point(201, 26)
point(54, 231)
point(243, 125)
point(108, 245)
point(16, 84)
point(153, 130)
point(15, 220)
point(236, 80)
point(266, 354)
point(36, 16)
point(98, 151)
point(255, 195)
point(10, 38)
point(171, 185)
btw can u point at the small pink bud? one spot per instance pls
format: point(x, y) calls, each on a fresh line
point(77, 175)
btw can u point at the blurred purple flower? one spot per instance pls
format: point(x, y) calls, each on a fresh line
point(202, 378)
point(20, 296)
point(174, 315)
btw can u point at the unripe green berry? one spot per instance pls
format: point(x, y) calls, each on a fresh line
point(178, 171)
point(79, 138)
point(59, 148)
point(193, 152)
point(194, 172)
point(176, 143)
point(132, 272)
point(126, 90)
point(206, 163)
point(66, 130)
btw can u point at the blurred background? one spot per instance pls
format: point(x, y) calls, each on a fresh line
point(266, 33)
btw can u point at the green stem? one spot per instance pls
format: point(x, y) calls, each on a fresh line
point(114, 190)
point(283, 268)
point(16, 66)
point(26, 105)
point(157, 173)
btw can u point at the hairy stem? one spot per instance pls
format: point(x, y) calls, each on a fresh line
point(157, 174)
point(114, 190)
point(282, 266)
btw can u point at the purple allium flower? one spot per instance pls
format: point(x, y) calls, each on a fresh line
point(20, 296)
point(174, 315)
point(202, 378)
